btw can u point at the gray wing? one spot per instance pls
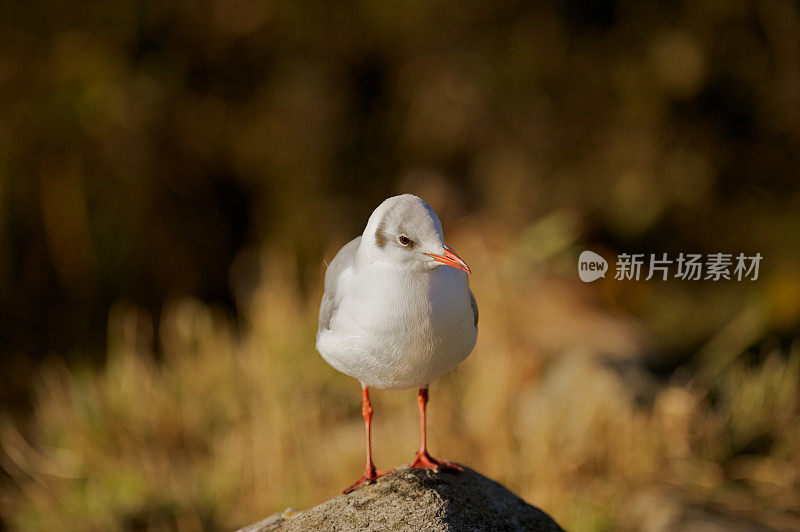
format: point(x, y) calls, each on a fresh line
point(331, 296)
point(474, 307)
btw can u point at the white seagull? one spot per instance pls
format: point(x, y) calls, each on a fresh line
point(397, 311)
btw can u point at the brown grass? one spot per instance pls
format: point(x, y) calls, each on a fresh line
point(235, 424)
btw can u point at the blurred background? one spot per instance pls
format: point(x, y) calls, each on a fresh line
point(173, 175)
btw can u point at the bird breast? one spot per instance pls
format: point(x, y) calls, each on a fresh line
point(403, 329)
point(413, 307)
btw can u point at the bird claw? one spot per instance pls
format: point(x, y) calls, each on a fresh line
point(368, 477)
point(426, 461)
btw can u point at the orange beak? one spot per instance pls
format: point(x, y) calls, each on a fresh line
point(451, 259)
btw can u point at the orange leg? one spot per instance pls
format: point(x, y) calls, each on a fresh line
point(370, 473)
point(423, 459)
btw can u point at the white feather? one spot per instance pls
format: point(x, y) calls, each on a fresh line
point(390, 317)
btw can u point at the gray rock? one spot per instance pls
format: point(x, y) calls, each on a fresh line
point(418, 499)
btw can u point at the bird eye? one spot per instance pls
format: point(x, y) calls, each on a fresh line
point(403, 239)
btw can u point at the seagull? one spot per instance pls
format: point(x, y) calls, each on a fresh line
point(397, 312)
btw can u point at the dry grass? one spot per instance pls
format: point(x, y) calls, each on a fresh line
point(233, 424)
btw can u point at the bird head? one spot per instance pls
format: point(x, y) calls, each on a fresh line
point(406, 231)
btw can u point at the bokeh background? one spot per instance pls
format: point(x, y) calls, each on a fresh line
point(174, 174)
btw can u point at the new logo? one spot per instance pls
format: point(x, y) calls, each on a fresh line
point(591, 266)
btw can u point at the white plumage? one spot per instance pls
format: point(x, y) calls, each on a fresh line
point(391, 315)
point(397, 311)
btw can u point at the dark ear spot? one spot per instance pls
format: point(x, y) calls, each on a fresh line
point(380, 234)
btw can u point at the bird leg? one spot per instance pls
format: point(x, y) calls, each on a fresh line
point(370, 473)
point(423, 459)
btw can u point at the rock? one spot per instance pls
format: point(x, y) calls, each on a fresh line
point(418, 499)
